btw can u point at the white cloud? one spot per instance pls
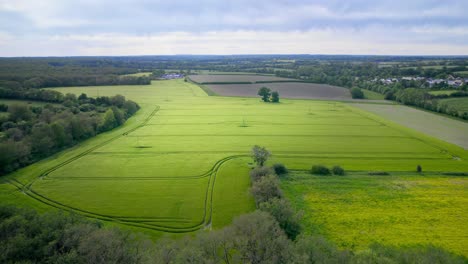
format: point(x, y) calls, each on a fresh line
point(325, 41)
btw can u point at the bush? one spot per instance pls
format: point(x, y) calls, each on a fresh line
point(378, 173)
point(259, 172)
point(357, 93)
point(287, 218)
point(419, 168)
point(265, 189)
point(320, 170)
point(337, 170)
point(280, 169)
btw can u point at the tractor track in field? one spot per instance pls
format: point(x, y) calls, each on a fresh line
point(153, 223)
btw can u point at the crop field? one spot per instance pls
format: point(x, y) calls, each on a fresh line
point(357, 210)
point(447, 129)
point(371, 95)
point(181, 163)
point(291, 90)
point(460, 104)
point(235, 78)
point(446, 92)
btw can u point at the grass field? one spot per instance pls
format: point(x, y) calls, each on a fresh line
point(357, 210)
point(445, 92)
point(181, 163)
point(234, 78)
point(139, 74)
point(462, 73)
point(371, 95)
point(460, 103)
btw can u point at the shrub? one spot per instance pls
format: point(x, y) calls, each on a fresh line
point(337, 170)
point(280, 169)
point(259, 172)
point(265, 189)
point(320, 170)
point(378, 173)
point(419, 168)
point(357, 93)
point(287, 218)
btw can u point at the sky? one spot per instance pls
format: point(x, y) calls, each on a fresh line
point(170, 27)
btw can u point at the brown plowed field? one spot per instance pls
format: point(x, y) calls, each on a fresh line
point(285, 89)
point(234, 78)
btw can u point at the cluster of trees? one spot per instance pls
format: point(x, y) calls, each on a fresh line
point(268, 96)
point(28, 73)
point(31, 132)
point(356, 93)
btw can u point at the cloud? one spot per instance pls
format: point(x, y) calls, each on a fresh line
point(178, 26)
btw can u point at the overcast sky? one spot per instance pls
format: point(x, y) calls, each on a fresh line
point(153, 27)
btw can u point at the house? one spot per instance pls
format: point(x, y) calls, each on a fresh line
point(170, 76)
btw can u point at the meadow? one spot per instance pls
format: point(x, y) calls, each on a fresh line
point(181, 163)
point(459, 104)
point(401, 209)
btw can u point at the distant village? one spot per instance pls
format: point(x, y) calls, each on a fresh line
point(170, 76)
point(429, 82)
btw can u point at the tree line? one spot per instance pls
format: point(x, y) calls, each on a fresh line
point(29, 132)
point(16, 73)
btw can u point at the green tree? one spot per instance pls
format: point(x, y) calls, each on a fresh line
point(275, 97)
point(19, 112)
point(266, 189)
point(357, 93)
point(265, 93)
point(260, 155)
point(287, 218)
point(108, 121)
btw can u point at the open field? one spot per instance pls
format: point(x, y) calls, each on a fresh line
point(462, 73)
point(139, 74)
point(286, 90)
point(371, 95)
point(403, 209)
point(446, 92)
point(235, 78)
point(181, 163)
point(460, 104)
point(447, 129)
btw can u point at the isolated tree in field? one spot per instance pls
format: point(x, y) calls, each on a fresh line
point(275, 97)
point(265, 93)
point(260, 155)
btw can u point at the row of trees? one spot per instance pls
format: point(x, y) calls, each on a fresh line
point(31, 132)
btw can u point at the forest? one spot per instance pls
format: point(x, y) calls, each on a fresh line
point(32, 132)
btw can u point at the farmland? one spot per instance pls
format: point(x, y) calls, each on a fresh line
point(444, 128)
point(459, 104)
point(443, 92)
point(357, 210)
point(287, 90)
point(235, 78)
point(181, 163)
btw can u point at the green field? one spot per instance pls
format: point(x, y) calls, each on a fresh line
point(443, 92)
point(357, 210)
point(181, 163)
point(460, 104)
point(462, 73)
point(371, 95)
